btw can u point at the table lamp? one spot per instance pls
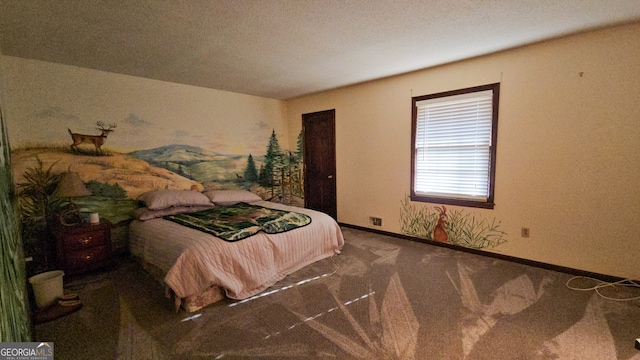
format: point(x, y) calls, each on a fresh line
point(69, 186)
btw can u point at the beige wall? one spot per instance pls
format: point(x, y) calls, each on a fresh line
point(44, 99)
point(568, 161)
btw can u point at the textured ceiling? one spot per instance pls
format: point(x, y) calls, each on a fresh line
point(286, 48)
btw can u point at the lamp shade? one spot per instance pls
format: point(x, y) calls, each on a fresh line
point(70, 185)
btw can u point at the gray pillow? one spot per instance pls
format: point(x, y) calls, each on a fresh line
point(162, 199)
point(230, 197)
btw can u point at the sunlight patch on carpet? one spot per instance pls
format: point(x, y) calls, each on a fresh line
point(511, 298)
point(313, 317)
point(589, 338)
point(274, 291)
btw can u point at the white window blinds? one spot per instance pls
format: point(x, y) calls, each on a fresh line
point(453, 146)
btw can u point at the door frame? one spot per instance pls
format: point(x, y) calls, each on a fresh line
point(305, 119)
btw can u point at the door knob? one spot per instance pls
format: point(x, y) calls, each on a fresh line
point(330, 177)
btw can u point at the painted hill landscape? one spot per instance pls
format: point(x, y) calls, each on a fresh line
point(196, 163)
point(171, 166)
point(134, 175)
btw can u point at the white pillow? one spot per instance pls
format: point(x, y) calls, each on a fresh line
point(162, 199)
point(230, 197)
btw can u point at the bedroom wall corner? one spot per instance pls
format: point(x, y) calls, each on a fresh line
point(567, 162)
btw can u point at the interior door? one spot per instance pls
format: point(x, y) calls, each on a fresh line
point(318, 131)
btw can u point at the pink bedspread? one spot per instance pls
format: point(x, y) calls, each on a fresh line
point(194, 261)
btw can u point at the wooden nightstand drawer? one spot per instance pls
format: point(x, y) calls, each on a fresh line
point(85, 240)
point(83, 247)
point(87, 259)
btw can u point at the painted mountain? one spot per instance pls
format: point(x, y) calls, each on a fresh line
point(196, 163)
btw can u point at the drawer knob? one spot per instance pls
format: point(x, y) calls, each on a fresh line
point(88, 257)
point(86, 241)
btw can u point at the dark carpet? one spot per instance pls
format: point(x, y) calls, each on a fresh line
point(382, 298)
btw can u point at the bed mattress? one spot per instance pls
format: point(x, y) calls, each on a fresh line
point(193, 261)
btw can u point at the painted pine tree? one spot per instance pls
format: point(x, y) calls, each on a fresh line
point(251, 173)
point(273, 161)
point(300, 148)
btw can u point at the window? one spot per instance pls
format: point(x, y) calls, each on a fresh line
point(453, 146)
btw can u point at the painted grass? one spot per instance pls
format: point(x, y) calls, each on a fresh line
point(464, 228)
point(115, 210)
point(417, 221)
point(83, 149)
point(14, 322)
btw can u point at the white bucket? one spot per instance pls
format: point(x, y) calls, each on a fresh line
point(47, 287)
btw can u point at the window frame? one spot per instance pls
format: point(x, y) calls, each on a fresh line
point(489, 203)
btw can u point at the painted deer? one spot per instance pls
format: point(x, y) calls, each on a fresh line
point(96, 140)
point(440, 230)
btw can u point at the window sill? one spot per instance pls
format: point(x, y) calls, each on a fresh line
point(456, 202)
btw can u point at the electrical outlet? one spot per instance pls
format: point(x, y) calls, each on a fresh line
point(525, 232)
point(375, 221)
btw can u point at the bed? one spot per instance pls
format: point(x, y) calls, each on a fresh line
point(199, 268)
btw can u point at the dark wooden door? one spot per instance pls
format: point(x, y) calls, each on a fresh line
point(318, 131)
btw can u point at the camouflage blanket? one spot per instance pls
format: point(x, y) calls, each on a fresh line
point(239, 221)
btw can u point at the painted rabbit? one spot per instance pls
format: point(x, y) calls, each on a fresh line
point(440, 230)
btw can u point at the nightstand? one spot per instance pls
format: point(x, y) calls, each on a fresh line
point(83, 247)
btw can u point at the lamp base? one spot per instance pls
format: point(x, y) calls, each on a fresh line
point(70, 216)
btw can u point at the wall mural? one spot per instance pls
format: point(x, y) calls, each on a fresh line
point(116, 177)
point(14, 322)
point(458, 227)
